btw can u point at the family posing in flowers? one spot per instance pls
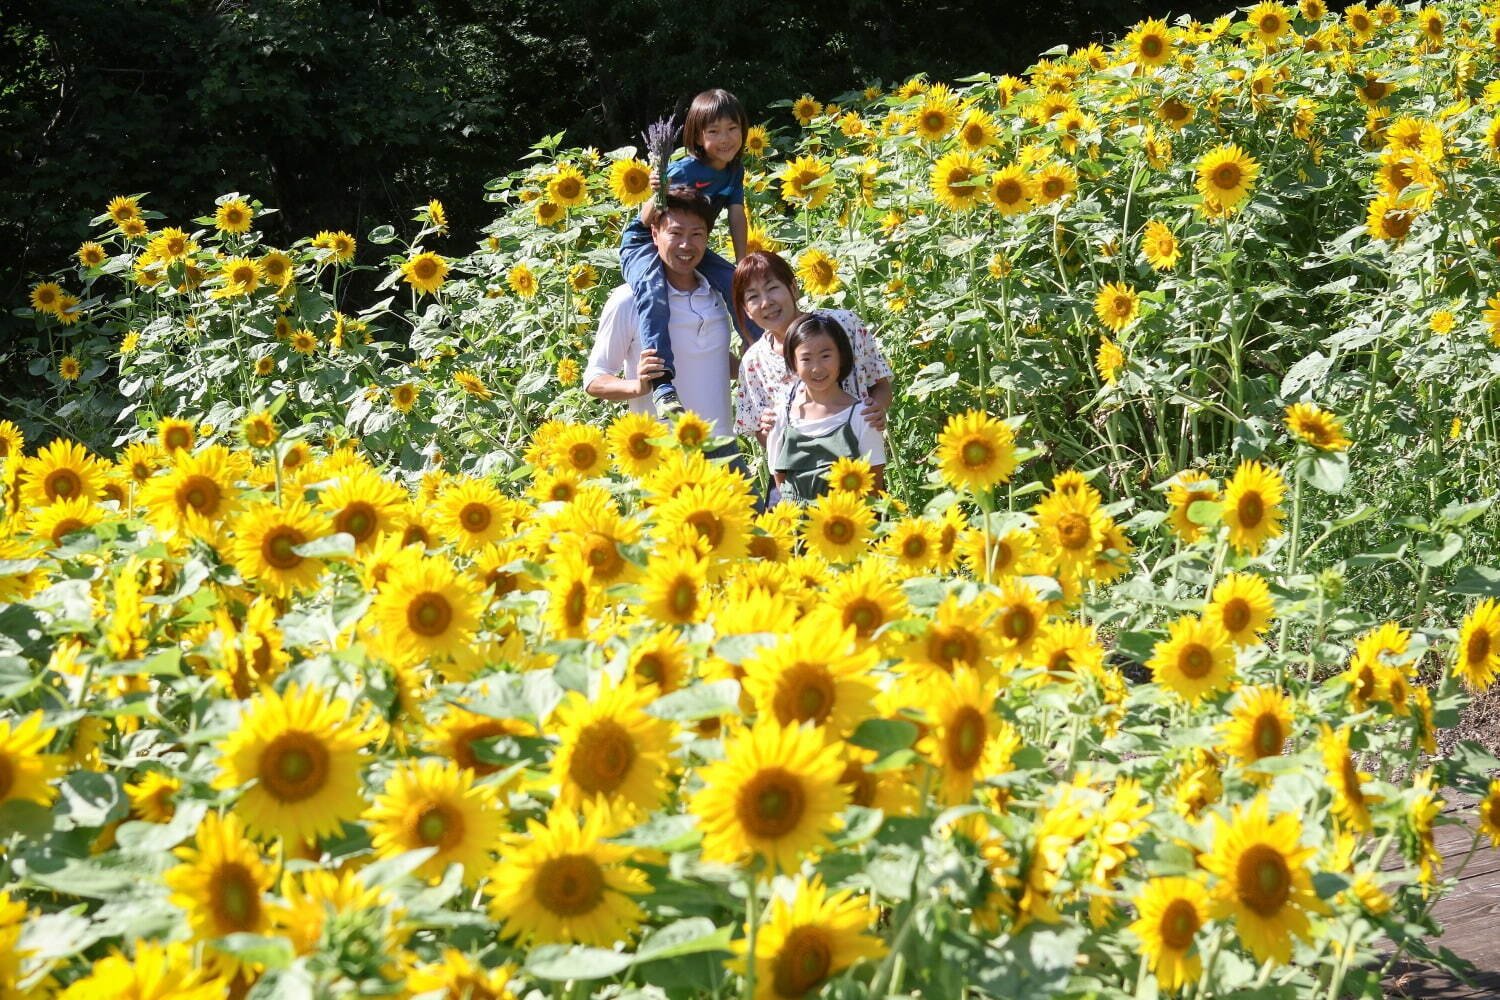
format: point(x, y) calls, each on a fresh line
point(813, 388)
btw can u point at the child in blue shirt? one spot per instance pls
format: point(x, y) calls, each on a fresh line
point(714, 137)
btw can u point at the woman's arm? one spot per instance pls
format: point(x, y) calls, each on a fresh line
point(739, 230)
point(878, 404)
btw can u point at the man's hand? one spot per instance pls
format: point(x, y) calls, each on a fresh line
point(874, 414)
point(650, 367)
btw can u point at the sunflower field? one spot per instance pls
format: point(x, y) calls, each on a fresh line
point(362, 653)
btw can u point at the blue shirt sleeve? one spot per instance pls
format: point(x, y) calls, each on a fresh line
point(677, 170)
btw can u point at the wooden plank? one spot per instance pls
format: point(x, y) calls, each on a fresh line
point(1469, 916)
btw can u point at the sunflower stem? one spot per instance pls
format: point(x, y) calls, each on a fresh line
point(1294, 541)
point(752, 919)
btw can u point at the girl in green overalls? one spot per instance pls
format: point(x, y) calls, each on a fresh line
point(819, 423)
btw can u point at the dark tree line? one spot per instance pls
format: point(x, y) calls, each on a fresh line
point(346, 113)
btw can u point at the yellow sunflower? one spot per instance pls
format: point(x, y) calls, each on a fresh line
point(838, 526)
point(1189, 487)
point(676, 587)
point(363, 505)
point(1252, 506)
point(1241, 605)
point(802, 182)
point(957, 635)
point(425, 608)
point(815, 675)
point(299, 752)
point(958, 180)
point(1160, 246)
point(611, 754)
point(239, 276)
point(1195, 660)
point(1389, 219)
point(26, 773)
point(1351, 803)
point(1054, 182)
point(805, 109)
point(1225, 176)
point(472, 513)
point(123, 210)
point(818, 272)
point(1171, 912)
point(568, 187)
point(977, 130)
point(153, 971)
point(57, 521)
point(867, 597)
point(1117, 305)
point(1260, 723)
point(1011, 190)
point(1315, 427)
point(976, 451)
point(1072, 529)
point(630, 181)
point(1489, 813)
point(1263, 881)
point(431, 804)
point(221, 884)
point(581, 449)
point(1479, 646)
point(561, 882)
point(965, 739)
point(425, 272)
point(775, 794)
point(937, 116)
point(634, 443)
point(266, 537)
point(341, 245)
point(62, 470)
point(806, 940)
point(912, 543)
point(1150, 44)
point(456, 976)
point(234, 216)
point(713, 514)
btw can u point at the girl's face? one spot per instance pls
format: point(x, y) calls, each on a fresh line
point(770, 304)
point(722, 141)
point(817, 360)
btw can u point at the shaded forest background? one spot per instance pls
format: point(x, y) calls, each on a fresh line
point(344, 114)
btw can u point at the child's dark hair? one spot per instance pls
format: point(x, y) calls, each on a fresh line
point(681, 198)
point(707, 108)
point(758, 265)
point(810, 326)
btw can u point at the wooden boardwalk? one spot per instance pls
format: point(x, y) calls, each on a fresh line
point(1469, 916)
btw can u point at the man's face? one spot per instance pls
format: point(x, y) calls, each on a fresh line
point(681, 239)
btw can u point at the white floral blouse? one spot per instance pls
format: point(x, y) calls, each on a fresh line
point(765, 377)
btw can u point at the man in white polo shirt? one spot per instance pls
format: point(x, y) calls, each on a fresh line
point(698, 324)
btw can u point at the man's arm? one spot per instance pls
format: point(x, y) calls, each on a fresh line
point(617, 389)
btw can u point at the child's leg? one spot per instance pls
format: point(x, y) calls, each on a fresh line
point(641, 268)
point(720, 274)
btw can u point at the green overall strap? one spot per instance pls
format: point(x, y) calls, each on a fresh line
point(805, 459)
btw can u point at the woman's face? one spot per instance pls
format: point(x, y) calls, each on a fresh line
point(770, 304)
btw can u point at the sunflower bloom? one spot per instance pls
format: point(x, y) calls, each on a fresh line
point(1226, 175)
point(301, 749)
point(1171, 912)
point(561, 882)
point(807, 940)
point(436, 804)
point(1252, 506)
point(1263, 882)
point(1195, 660)
point(776, 794)
point(976, 451)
